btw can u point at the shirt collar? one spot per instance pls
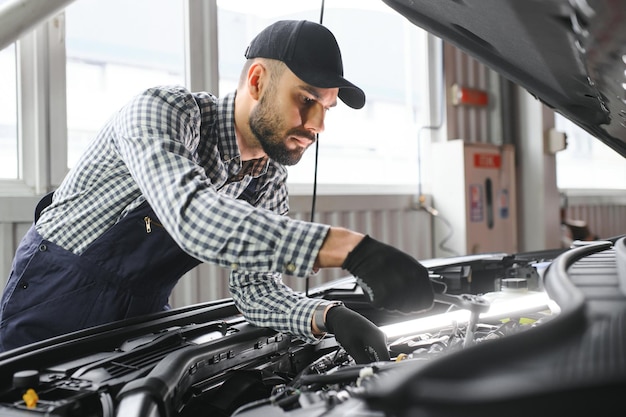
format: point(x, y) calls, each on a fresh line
point(227, 139)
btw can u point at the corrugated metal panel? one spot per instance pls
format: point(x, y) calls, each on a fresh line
point(603, 220)
point(10, 235)
point(387, 218)
point(467, 122)
point(391, 220)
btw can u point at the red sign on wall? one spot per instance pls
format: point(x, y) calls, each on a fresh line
point(487, 160)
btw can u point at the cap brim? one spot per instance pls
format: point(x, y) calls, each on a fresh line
point(353, 96)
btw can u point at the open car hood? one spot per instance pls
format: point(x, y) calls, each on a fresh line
point(570, 54)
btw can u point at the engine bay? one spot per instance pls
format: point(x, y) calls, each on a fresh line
point(207, 360)
point(506, 333)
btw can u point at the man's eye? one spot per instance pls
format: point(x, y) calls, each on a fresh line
point(309, 101)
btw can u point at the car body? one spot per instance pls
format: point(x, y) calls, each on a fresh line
point(538, 333)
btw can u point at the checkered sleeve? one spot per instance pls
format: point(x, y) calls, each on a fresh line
point(157, 135)
point(267, 302)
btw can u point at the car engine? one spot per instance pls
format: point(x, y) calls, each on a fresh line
point(506, 333)
point(207, 360)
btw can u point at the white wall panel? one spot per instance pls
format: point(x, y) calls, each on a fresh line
point(389, 218)
point(605, 221)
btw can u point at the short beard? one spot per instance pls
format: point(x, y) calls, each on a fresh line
point(265, 125)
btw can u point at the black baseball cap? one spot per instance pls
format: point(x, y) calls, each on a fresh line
point(311, 52)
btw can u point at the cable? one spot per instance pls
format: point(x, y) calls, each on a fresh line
point(436, 126)
point(317, 148)
point(314, 197)
point(313, 200)
point(421, 198)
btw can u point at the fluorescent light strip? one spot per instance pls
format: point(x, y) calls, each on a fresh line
point(503, 305)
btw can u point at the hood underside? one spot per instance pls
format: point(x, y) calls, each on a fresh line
point(570, 54)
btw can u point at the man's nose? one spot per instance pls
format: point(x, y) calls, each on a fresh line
point(313, 118)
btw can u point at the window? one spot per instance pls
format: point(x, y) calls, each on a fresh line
point(373, 145)
point(587, 163)
point(8, 114)
point(115, 49)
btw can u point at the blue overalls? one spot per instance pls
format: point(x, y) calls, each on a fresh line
point(128, 271)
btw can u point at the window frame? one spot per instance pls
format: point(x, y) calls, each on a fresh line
point(41, 115)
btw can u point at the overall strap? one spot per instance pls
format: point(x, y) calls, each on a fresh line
point(249, 195)
point(43, 203)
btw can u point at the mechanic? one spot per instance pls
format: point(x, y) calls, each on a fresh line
point(177, 178)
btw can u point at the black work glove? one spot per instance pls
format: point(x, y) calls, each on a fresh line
point(391, 279)
point(357, 335)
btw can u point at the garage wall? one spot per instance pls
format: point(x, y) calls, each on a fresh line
point(16, 216)
point(603, 220)
point(389, 218)
point(604, 213)
point(475, 124)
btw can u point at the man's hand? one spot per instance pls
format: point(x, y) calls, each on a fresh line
point(357, 335)
point(391, 279)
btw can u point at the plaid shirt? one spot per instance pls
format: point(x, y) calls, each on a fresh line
point(178, 151)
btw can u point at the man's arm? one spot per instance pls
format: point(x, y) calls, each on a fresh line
point(337, 244)
point(266, 301)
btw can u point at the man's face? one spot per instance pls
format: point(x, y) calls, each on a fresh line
point(288, 116)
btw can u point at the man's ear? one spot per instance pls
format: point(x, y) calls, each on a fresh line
point(256, 78)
